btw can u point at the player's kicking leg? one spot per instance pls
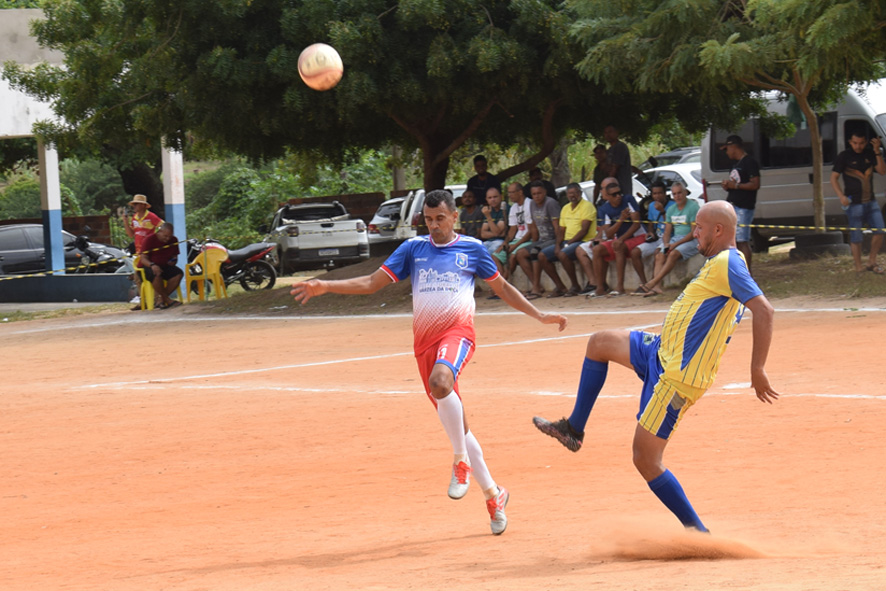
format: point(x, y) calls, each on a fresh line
point(603, 347)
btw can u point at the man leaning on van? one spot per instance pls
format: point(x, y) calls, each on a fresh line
point(857, 165)
point(742, 186)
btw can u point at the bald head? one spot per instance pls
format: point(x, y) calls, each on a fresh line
point(715, 227)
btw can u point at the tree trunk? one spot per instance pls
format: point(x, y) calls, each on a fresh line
point(435, 165)
point(561, 174)
point(397, 172)
point(815, 138)
point(144, 179)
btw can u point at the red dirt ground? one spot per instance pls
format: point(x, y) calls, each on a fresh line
point(302, 454)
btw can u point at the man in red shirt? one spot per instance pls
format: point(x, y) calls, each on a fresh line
point(158, 259)
point(143, 223)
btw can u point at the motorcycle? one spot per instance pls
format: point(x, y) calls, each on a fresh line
point(252, 266)
point(99, 258)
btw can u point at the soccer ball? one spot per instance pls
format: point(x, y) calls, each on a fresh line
point(320, 66)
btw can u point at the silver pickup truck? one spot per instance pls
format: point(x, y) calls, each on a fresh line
point(317, 235)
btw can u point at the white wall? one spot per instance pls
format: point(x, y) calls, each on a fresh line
point(19, 112)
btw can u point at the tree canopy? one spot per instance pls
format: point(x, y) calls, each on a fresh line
point(722, 51)
point(418, 73)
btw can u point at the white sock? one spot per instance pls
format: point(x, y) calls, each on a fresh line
point(478, 464)
point(451, 414)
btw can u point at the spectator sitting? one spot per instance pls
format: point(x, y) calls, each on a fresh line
point(158, 260)
point(518, 233)
point(678, 242)
point(621, 232)
point(654, 230)
point(482, 181)
point(545, 214)
point(577, 224)
point(495, 227)
point(471, 217)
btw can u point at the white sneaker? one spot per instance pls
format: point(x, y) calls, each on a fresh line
point(461, 478)
point(496, 507)
point(135, 300)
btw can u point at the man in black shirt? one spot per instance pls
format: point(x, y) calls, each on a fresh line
point(482, 181)
point(857, 165)
point(742, 186)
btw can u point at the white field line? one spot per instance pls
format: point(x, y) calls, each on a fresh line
point(159, 318)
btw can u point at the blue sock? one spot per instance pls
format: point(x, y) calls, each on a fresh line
point(668, 490)
point(593, 375)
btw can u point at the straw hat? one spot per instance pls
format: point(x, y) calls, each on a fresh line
point(140, 199)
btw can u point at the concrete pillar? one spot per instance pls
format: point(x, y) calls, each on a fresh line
point(174, 199)
point(51, 206)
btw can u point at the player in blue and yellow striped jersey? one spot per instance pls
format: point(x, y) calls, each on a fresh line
point(678, 365)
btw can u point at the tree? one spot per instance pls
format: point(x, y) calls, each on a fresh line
point(422, 74)
point(722, 51)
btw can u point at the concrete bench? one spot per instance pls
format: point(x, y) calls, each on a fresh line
point(678, 277)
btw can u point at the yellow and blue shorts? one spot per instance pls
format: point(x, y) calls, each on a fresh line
point(661, 405)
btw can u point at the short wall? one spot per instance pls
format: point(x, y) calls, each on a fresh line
point(98, 287)
point(678, 277)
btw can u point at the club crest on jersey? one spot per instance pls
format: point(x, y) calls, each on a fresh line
point(461, 260)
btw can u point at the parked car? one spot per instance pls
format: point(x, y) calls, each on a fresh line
point(687, 173)
point(22, 250)
point(383, 224)
point(689, 154)
point(317, 235)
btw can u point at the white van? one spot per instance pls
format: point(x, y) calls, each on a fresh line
point(785, 195)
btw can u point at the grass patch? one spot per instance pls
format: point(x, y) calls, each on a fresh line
point(828, 277)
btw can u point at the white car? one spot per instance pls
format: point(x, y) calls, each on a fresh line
point(688, 173)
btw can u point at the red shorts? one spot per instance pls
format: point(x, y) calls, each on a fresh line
point(453, 351)
point(630, 243)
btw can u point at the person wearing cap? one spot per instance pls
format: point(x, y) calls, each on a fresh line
point(741, 187)
point(143, 222)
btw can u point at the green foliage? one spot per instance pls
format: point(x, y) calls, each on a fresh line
point(96, 185)
point(10, 4)
point(21, 198)
point(16, 154)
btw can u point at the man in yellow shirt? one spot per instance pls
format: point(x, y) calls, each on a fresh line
point(680, 364)
point(578, 224)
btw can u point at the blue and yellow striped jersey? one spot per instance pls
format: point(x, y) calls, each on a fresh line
point(700, 322)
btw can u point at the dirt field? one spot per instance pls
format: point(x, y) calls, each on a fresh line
point(301, 454)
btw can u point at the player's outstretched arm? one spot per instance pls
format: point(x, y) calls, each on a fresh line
point(366, 284)
point(512, 297)
point(763, 315)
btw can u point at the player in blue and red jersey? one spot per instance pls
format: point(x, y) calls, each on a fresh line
point(678, 365)
point(442, 267)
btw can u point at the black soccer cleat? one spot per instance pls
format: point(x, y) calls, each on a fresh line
point(560, 430)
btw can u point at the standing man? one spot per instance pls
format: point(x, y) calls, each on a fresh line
point(158, 260)
point(601, 171)
point(742, 186)
point(857, 165)
point(442, 267)
point(680, 364)
point(619, 158)
point(483, 180)
point(142, 224)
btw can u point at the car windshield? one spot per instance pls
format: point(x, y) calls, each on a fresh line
point(320, 212)
point(388, 209)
